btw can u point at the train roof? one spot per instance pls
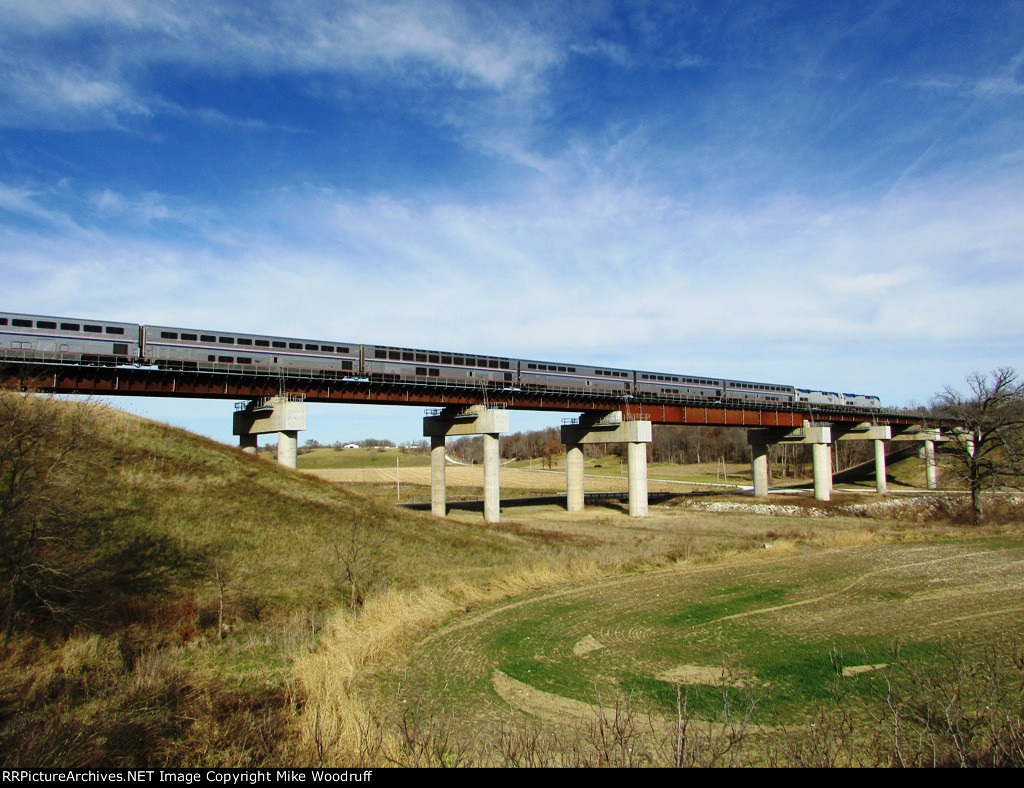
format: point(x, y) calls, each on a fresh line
point(57, 318)
point(180, 330)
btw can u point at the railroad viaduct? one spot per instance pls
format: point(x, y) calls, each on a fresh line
point(262, 408)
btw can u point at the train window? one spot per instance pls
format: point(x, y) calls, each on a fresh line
point(3, 321)
point(394, 355)
point(504, 365)
point(434, 358)
point(421, 357)
point(493, 363)
point(168, 334)
point(241, 360)
point(295, 345)
point(190, 337)
point(458, 361)
point(346, 365)
point(23, 323)
point(211, 358)
point(435, 373)
point(244, 341)
point(561, 369)
point(115, 330)
point(407, 356)
point(571, 369)
point(279, 344)
point(542, 366)
point(120, 348)
point(327, 348)
point(343, 349)
point(312, 347)
point(446, 359)
point(531, 366)
point(70, 327)
point(45, 324)
point(90, 329)
point(226, 340)
point(421, 370)
point(207, 338)
point(226, 359)
point(262, 343)
point(378, 353)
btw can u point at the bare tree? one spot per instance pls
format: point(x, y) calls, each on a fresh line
point(359, 555)
point(989, 449)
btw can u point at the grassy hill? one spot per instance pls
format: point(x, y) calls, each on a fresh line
point(190, 576)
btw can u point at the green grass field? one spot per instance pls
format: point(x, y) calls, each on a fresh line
point(775, 630)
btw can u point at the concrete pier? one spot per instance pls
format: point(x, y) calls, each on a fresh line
point(868, 432)
point(928, 437)
point(438, 503)
point(248, 443)
point(472, 420)
point(607, 427)
point(492, 485)
point(822, 460)
point(574, 477)
point(881, 485)
point(820, 438)
point(288, 448)
point(636, 456)
point(285, 415)
point(759, 462)
point(931, 472)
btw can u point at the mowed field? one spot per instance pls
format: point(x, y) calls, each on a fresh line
point(473, 476)
point(778, 629)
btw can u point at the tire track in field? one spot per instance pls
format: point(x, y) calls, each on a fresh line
point(850, 587)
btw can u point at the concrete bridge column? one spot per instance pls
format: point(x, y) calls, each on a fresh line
point(607, 427)
point(759, 464)
point(931, 472)
point(285, 415)
point(492, 485)
point(438, 488)
point(821, 456)
point(574, 477)
point(928, 437)
point(248, 443)
point(820, 439)
point(473, 420)
point(288, 448)
point(636, 457)
point(881, 486)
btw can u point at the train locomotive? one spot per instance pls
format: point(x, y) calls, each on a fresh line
point(95, 342)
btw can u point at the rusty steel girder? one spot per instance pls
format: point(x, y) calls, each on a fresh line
point(152, 382)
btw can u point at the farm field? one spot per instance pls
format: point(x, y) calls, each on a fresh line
point(779, 633)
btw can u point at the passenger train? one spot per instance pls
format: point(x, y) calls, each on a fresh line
point(96, 342)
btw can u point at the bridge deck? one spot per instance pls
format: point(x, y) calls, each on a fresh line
point(232, 382)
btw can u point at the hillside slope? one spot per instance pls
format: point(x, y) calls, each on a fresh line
point(164, 582)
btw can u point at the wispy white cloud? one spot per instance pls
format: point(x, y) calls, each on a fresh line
point(427, 43)
point(617, 275)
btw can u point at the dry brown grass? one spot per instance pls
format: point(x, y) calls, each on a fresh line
point(339, 721)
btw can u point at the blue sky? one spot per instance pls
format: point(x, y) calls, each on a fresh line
point(824, 194)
